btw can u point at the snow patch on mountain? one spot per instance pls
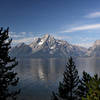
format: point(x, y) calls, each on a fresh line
point(41, 42)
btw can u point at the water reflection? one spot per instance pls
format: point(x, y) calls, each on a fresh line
point(90, 65)
point(38, 77)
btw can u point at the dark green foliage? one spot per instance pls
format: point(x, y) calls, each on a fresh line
point(67, 88)
point(82, 88)
point(7, 75)
point(94, 89)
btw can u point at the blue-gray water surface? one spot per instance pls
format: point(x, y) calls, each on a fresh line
point(39, 77)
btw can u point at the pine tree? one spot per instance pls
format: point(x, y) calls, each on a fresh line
point(67, 88)
point(82, 88)
point(94, 89)
point(54, 96)
point(8, 77)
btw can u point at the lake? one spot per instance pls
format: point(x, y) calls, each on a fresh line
point(39, 77)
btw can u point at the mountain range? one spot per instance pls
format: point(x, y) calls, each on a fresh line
point(49, 47)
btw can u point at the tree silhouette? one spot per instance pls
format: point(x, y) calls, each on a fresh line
point(8, 77)
point(82, 88)
point(54, 97)
point(67, 89)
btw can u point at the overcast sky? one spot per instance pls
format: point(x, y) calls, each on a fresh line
point(76, 21)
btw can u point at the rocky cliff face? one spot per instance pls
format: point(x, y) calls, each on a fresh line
point(47, 47)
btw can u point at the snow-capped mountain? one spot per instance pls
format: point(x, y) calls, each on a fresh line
point(47, 47)
point(95, 49)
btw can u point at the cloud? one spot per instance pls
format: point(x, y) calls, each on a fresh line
point(25, 40)
point(20, 34)
point(93, 15)
point(16, 36)
point(30, 32)
point(12, 32)
point(22, 37)
point(23, 33)
point(62, 37)
point(85, 27)
point(86, 45)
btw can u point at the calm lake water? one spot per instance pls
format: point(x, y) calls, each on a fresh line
point(39, 77)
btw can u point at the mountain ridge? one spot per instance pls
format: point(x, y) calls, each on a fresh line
point(49, 47)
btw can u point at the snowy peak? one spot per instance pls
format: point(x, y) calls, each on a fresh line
point(46, 36)
point(49, 47)
point(46, 39)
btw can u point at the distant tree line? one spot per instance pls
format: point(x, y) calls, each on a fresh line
point(74, 88)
